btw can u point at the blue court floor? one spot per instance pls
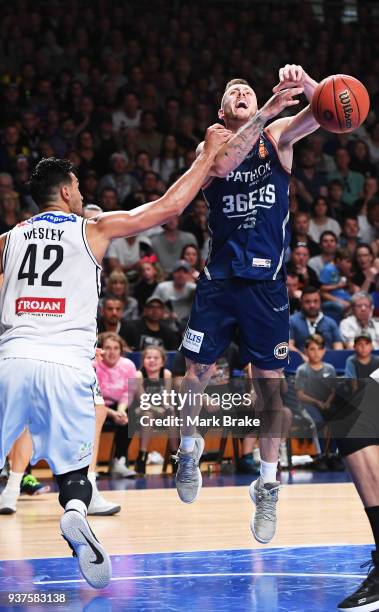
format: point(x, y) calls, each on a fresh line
point(299, 579)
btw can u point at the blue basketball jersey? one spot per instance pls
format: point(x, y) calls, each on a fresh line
point(248, 217)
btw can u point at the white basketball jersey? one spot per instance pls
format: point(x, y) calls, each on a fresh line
point(49, 298)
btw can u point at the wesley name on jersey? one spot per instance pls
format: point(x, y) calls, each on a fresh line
point(43, 233)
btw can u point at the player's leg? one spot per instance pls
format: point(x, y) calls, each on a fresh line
point(363, 468)
point(19, 480)
point(14, 409)
point(98, 505)
point(264, 491)
point(62, 425)
point(20, 457)
point(286, 429)
point(209, 331)
point(356, 430)
point(264, 325)
point(188, 475)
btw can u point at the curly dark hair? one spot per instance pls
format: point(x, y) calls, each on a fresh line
point(48, 175)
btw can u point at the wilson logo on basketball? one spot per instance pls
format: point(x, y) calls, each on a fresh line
point(346, 106)
point(41, 305)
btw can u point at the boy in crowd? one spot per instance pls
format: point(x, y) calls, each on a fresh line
point(315, 385)
point(363, 363)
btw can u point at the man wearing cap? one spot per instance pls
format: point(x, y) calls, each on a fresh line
point(361, 320)
point(178, 293)
point(363, 363)
point(150, 329)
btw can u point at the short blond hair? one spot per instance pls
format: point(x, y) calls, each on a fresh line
point(230, 84)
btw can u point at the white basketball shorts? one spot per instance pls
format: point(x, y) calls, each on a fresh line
point(56, 403)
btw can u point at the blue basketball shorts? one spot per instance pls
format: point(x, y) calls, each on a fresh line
point(259, 309)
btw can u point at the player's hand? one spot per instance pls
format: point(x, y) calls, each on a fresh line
point(280, 101)
point(290, 75)
point(216, 135)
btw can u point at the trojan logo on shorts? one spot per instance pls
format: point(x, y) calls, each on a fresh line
point(281, 350)
point(262, 150)
point(40, 305)
point(193, 340)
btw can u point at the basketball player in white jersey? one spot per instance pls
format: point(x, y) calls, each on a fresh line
point(48, 306)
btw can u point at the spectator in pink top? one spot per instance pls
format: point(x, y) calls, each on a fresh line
point(117, 382)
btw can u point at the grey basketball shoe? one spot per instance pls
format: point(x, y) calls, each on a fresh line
point(265, 498)
point(188, 477)
point(94, 562)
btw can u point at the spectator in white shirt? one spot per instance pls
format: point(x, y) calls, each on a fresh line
point(130, 114)
point(178, 293)
point(360, 321)
point(125, 253)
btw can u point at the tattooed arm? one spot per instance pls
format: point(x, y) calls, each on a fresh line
point(239, 145)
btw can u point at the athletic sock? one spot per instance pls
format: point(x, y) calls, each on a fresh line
point(373, 517)
point(76, 504)
point(268, 471)
point(92, 478)
point(187, 444)
point(14, 482)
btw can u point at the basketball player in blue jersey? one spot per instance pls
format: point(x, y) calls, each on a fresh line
point(243, 283)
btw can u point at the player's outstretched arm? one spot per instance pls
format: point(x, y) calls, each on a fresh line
point(289, 130)
point(240, 144)
point(105, 227)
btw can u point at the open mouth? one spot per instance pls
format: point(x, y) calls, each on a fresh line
point(241, 104)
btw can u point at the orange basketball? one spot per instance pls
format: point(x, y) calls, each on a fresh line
point(340, 103)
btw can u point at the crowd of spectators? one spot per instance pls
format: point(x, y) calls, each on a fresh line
point(126, 92)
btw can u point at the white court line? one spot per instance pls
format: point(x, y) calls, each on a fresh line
point(218, 575)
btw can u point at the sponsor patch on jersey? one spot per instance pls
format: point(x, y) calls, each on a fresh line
point(262, 150)
point(261, 263)
point(52, 218)
point(40, 305)
point(281, 350)
point(193, 340)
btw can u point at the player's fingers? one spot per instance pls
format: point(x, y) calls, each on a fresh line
point(293, 72)
point(281, 74)
point(285, 85)
point(294, 91)
point(286, 71)
point(299, 73)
